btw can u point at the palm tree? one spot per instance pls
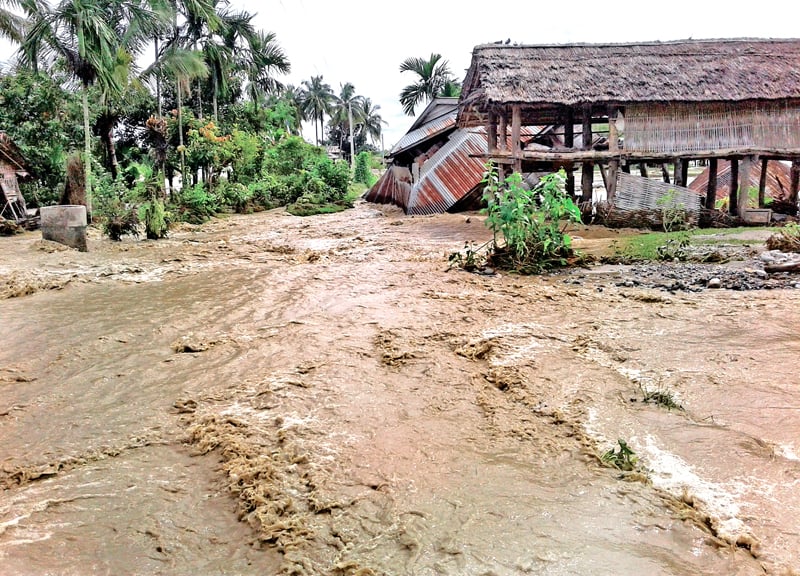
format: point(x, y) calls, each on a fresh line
point(294, 98)
point(13, 24)
point(371, 123)
point(263, 59)
point(433, 76)
point(317, 99)
point(344, 110)
point(94, 39)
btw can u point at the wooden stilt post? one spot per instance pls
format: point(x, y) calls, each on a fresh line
point(711, 191)
point(503, 135)
point(762, 182)
point(569, 142)
point(613, 147)
point(587, 168)
point(684, 172)
point(744, 188)
point(491, 131)
point(665, 173)
point(516, 132)
point(733, 194)
point(643, 170)
point(794, 185)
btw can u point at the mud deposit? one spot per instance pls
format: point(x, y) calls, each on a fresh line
point(268, 394)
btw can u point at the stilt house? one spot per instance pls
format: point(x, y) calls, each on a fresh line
point(655, 103)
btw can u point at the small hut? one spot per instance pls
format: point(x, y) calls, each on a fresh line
point(12, 167)
point(656, 103)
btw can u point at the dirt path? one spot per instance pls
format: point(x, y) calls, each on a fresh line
point(318, 396)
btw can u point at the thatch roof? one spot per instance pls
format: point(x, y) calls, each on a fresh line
point(552, 76)
point(10, 153)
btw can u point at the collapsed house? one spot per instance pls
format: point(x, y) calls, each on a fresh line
point(772, 179)
point(652, 104)
point(12, 167)
point(436, 166)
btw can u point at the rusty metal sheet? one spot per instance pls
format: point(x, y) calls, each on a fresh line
point(425, 132)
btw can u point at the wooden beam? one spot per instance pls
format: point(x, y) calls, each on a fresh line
point(744, 188)
point(613, 133)
point(569, 142)
point(676, 173)
point(491, 131)
point(794, 186)
point(733, 194)
point(611, 181)
point(503, 135)
point(516, 131)
point(664, 173)
point(643, 170)
point(652, 157)
point(587, 168)
point(762, 182)
point(711, 191)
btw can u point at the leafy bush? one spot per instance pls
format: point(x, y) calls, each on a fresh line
point(154, 216)
point(363, 173)
point(234, 195)
point(530, 222)
point(196, 204)
point(115, 207)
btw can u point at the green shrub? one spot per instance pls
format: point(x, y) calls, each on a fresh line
point(234, 195)
point(154, 216)
point(196, 204)
point(531, 223)
point(362, 172)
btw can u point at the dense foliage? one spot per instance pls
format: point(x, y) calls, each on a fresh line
point(205, 128)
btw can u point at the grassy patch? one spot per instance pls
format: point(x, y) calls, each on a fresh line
point(308, 209)
point(646, 246)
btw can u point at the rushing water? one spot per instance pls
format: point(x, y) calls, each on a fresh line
point(403, 419)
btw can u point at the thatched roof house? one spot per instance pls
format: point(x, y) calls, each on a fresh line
point(655, 102)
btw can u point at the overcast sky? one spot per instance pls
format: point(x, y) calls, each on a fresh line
point(364, 42)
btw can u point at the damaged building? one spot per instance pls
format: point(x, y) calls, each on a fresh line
point(655, 104)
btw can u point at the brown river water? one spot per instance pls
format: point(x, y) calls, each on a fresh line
point(268, 394)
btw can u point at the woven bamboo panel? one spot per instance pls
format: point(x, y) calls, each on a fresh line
point(637, 193)
point(700, 127)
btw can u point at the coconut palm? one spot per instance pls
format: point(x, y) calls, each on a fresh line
point(263, 59)
point(344, 110)
point(370, 121)
point(433, 76)
point(317, 99)
point(15, 17)
point(95, 40)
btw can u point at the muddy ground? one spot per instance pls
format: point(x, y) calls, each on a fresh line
point(268, 394)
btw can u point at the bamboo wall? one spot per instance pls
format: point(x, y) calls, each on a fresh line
point(637, 193)
point(707, 127)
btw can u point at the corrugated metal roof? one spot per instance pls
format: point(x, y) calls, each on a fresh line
point(394, 187)
point(449, 174)
point(779, 178)
point(433, 128)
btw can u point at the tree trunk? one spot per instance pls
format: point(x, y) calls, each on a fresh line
point(158, 81)
point(180, 136)
point(87, 153)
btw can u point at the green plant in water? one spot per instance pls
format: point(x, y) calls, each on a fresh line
point(531, 223)
point(660, 396)
point(623, 459)
point(471, 258)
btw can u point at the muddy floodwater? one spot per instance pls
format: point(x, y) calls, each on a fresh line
point(268, 394)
